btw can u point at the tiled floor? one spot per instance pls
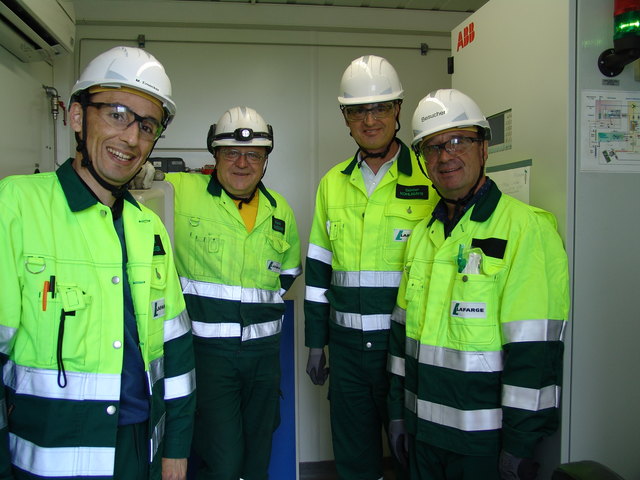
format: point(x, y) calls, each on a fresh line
point(327, 471)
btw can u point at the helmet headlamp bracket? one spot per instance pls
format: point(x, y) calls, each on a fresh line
point(241, 134)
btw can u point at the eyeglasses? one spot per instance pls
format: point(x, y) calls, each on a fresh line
point(356, 113)
point(122, 117)
point(232, 155)
point(454, 146)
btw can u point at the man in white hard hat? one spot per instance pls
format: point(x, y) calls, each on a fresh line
point(97, 349)
point(484, 298)
point(366, 208)
point(237, 253)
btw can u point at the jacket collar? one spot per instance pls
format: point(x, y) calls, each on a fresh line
point(79, 196)
point(403, 162)
point(215, 189)
point(482, 205)
point(487, 203)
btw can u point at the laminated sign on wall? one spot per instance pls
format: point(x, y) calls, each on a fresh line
point(610, 131)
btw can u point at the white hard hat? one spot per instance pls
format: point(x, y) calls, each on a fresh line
point(369, 79)
point(129, 67)
point(445, 109)
point(240, 127)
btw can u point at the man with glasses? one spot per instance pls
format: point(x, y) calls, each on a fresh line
point(97, 351)
point(484, 300)
point(237, 253)
point(366, 208)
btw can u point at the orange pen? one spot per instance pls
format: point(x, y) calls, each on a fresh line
point(45, 292)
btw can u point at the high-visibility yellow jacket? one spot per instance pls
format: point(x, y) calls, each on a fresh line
point(356, 249)
point(233, 280)
point(62, 315)
point(481, 365)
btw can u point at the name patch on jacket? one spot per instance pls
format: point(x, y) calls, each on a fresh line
point(412, 191)
point(277, 224)
point(492, 247)
point(157, 308)
point(468, 310)
point(158, 248)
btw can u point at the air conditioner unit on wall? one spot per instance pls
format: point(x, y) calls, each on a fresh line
point(35, 30)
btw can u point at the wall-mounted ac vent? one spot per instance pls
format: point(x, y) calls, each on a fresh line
point(35, 30)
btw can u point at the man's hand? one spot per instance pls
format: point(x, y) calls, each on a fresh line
point(516, 468)
point(174, 469)
point(399, 442)
point(316, 366)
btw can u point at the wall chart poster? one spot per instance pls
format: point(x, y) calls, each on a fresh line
point(610, 131)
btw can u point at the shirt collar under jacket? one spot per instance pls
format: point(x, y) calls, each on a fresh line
point(215, 189)
point(485, 201)
point(404, 161)
point(78, 195)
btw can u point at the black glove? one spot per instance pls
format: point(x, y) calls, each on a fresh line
point(316, 366)
point(399, 442)
point(516, 468)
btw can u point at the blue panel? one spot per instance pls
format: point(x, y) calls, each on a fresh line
point(283, 453)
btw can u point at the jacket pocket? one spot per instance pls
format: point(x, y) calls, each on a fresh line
point(274, 251)
point(399, 221)
point(474, 316)
point(206, 256)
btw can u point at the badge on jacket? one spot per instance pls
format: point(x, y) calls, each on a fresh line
point(412, 192)
point(158, 248)
point(277, 224)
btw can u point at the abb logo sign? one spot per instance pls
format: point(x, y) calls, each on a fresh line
point(466, 36)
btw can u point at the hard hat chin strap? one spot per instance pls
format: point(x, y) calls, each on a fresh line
point(368, 154)
point(241, 200)
point(460, 203)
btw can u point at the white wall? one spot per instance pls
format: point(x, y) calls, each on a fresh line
point(26, 128)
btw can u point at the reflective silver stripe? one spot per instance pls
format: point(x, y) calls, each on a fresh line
point(533, 330)
point(366, 279)
point(399, 315)
point(462, 361)
point(282, 292)
point(177, 326)
point(294, 272)
point(229, 330)
point(61, 461)
point(395, 365)
point(530, 398)
point(6, 335)
point(466, 420)
point(315, 294)
point(229, 292)
point(44, 383)
point(216, 330)
point(3, 413)
point(157, 435)
point(180, 386)
point(156, 371)
point(411, 346)
point(321, 254)
point(366, 323)
point(261, 330)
